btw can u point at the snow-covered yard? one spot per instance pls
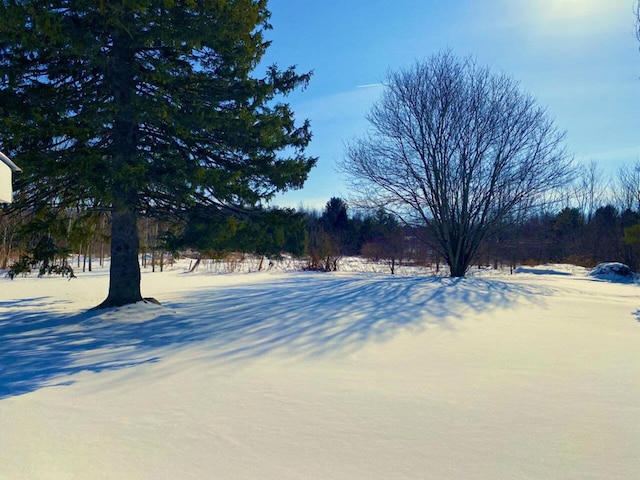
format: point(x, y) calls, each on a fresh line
point(292, 375)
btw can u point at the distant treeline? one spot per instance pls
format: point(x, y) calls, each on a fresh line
point(322, 238)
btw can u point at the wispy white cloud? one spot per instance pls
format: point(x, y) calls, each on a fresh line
point(351, 104)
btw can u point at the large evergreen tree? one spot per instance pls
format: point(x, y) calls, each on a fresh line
point(145, 107)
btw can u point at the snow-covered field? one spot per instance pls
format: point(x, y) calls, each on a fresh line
point(292, 375)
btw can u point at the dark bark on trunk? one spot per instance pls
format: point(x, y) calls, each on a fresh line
point(459, 263)
point(195, 265)
point(459, 269)
point(124, 273)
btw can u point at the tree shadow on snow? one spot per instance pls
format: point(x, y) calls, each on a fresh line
point(303, 314)
point(38, 347)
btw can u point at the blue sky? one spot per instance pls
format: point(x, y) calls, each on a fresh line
point(579, 58)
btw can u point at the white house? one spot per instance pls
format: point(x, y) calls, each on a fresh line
point(7, 167)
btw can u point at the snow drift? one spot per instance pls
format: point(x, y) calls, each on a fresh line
point(315, 376)
point(614, 272)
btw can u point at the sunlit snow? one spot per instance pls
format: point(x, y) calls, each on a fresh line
point(300, 375)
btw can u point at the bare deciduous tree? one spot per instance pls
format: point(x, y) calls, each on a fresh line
point(638, 20)
point(627, 187)
point(590, 188)
point(457, 148)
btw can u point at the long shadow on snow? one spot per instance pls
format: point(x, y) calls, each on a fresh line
point(317, 314)
point(305, 314)
point(37, 347)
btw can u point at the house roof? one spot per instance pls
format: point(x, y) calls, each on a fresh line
point(4, 159)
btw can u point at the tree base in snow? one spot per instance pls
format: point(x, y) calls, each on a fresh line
point(109, 304)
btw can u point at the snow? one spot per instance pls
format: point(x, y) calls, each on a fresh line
point(613, 272)
point(290, 375)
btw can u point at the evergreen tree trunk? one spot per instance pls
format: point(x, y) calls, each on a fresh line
point(7, 240)
point(124, 273)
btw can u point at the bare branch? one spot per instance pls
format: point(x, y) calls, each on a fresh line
point(458, 148)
